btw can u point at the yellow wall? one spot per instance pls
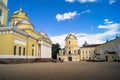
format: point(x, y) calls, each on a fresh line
point(19, 37)
point(71, 44)
point(109, 46)
point(31, 32)
point(6, 43)
point(87, 52)
point(31, 42)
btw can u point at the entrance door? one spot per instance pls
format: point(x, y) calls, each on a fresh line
point(106, 58)
point(69, 58)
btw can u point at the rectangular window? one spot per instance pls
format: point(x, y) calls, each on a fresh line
point(83, 52)
point(86, 52)
point(112, 57)
point(14, 50)
point(19, 50)
point(24, 51)
point(89, 52)
point(32, 52)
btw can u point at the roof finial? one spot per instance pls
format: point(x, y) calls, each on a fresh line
point(21, 8)
point(70, 32)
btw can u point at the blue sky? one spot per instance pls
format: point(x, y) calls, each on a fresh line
point(90, 20)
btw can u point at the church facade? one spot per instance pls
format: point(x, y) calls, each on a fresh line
point(70, 52)
point(20, 40)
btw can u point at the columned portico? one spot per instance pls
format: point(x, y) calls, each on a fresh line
point(45, 51)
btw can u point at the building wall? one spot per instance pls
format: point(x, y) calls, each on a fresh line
point(33, 33)
point(110, 46)
point(87, 52)
point(31, 48)
point(67, 57)
point(11, 39)
point(5, 43)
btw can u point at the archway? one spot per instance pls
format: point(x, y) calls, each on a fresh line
point(69, 58)
point(106, 58)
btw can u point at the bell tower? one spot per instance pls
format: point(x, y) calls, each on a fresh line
point(71, 44)
point(3, 12)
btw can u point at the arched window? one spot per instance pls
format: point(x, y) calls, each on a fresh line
point(69, 42)
point(69, 52)
point(0, 16)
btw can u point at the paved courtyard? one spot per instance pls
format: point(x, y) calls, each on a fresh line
point(61, 71)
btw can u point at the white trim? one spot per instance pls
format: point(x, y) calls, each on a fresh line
point(18, 41)
point(31, 56)
point(15, 56)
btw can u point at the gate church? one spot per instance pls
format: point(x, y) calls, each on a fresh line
point(70, 52)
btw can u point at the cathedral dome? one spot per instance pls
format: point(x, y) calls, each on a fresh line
point(19, 14)
point(24, 24)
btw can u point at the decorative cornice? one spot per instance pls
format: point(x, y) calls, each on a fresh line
point(14, 29)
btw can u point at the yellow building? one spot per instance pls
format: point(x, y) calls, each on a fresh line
point(20, 40)
point(87, 51)
point(109, 51)
point(70, 52)
point(3, 12)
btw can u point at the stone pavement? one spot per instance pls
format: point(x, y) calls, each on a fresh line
point(61, 71)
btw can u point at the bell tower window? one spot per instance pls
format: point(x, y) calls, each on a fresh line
point(69, 52)
point(69, 42)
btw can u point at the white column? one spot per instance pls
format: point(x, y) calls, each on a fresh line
point(47, 52)
point(37, 52)
point(42, 51)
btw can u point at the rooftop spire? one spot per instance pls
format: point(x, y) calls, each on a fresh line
point(85, 44)
point(21, 8)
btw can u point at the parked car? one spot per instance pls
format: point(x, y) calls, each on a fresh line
point(95, 60)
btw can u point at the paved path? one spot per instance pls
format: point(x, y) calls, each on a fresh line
point(61, 71)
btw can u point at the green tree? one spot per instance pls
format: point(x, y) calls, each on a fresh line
point(55, 50)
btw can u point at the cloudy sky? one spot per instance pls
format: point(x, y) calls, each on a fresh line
point(93, 21)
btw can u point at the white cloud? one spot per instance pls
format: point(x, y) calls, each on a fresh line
point(84, 1)
point(69, 15)
point(65, 16)
point(90, 1)
point(83, 12)
point(112, 1)
point(59, 39)
point(111, 29)
point(71, 1)
point(81, 1)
